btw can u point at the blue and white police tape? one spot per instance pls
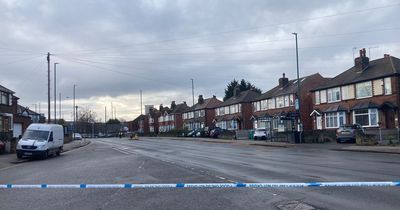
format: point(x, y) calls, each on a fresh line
point(208, 185)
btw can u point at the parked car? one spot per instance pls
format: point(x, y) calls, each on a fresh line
point(2, 146)
point(77, 136)
point(41, 140)
point(202, 133)
point(260, 133)
point(214, 133)
point(192, 133)
point(347, 133)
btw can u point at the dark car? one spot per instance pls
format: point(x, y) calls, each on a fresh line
point(214, 133)
point(347, 133)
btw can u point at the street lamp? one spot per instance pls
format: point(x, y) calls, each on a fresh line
point(73, 108)
point(194, 110)
point(297, 104)
point(55, 92)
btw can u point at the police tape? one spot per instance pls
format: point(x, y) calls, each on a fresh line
point(208, 185)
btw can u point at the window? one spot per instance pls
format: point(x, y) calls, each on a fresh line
point(317, 99)
point(264, 105)
point(5, 98)
point(233, 109)
point(286, 101)
point(388, 86)
point(333, 94)
point(323, 96)
point(271, 103)
point(364, 89)
point(347, 92)
point(226, 109)
point(279, 102)
point(335, 119)
point(202, 113)
point(221, 111)
point(366, 117)
point(291, 100)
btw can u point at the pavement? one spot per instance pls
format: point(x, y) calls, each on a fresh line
point(395, 149)
point(154, 160)
point(7, 160)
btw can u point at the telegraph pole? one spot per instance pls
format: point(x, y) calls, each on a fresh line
point(73, 109)
point(48, 88)
point(141, 103)
point(55, 92)
point(59, 106)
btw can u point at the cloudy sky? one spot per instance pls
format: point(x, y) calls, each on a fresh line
point(112, 49)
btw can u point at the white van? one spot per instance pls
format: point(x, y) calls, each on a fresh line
point(41, 140)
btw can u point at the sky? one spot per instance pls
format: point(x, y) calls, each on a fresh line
point(113, 49)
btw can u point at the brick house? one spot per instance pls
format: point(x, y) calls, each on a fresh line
point(152, 119)
point(200, 115)
point(276, 111)
point(140, 125)
point(12, 123)
point(366, 94)
point(235, 113)
point(171, 119)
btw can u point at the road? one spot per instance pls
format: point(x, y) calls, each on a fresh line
point(111, 161)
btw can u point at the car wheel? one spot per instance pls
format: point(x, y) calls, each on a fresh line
point(255, 137)
point(338, 141)
point(19, 156)
point(264, 138)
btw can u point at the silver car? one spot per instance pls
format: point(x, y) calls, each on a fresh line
point(348, 133)
point(260, 133)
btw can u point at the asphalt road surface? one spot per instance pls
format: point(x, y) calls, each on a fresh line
point(119, 161)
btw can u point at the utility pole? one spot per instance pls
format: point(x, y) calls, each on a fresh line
point(141, 103)
point(76, 117)
point(48, 88)
point(55, 92)
point(59, 105)
point(298, 91)
point(105, 121)
point(192, 91)
point(112, 110)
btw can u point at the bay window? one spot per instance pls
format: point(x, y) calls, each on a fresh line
point(366, 117)
point(335, 119)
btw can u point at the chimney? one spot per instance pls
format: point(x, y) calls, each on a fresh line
point(14, 104)
point(201, 99)
point(214, 96)
point(173, 105)
point(161, 108)
point(283, 81)
point(236, 91)
point(362, 62)
point(386, 55)
point(184, 102)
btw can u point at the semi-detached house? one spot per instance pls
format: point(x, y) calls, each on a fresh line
point(200, 115)
point(171, 119)
point(275, 109)
point(366, 94)
point(235, 113)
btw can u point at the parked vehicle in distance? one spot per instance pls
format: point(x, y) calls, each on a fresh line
point(347, 133)
point(77, 136)
point(2, 146)
point(202, 133)
point(191, 133)
point(260, 133)
point(41, 140)
point(214, 133)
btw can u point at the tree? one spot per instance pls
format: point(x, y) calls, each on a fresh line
point(243, 86)
point(113, 121)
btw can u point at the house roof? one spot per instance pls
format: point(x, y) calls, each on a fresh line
point(180, 108)
point(21, 109)
point(209, 103)
point(290, 88)
point(243, 97)
point(378, 68)
point(4, 89)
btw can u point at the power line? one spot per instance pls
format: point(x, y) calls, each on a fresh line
point(243, 29)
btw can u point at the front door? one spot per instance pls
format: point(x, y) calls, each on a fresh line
point(319, 122)
point(389, 118)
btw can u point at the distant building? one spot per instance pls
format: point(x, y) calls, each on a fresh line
point(147, 109)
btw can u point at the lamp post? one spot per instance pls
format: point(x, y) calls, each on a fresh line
point(55, 92)
point(194, 110)
point(297, 104)
point(73, 108)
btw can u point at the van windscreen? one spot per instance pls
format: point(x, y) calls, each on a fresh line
point(36, 135)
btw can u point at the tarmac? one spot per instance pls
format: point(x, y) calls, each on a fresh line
point(10, 159)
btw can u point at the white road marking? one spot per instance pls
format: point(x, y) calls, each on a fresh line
point(141, 165)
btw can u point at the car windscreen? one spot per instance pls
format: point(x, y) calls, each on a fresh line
point(36, 135)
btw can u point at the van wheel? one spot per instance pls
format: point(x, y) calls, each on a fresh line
point(58, 151)
point(46, 154)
